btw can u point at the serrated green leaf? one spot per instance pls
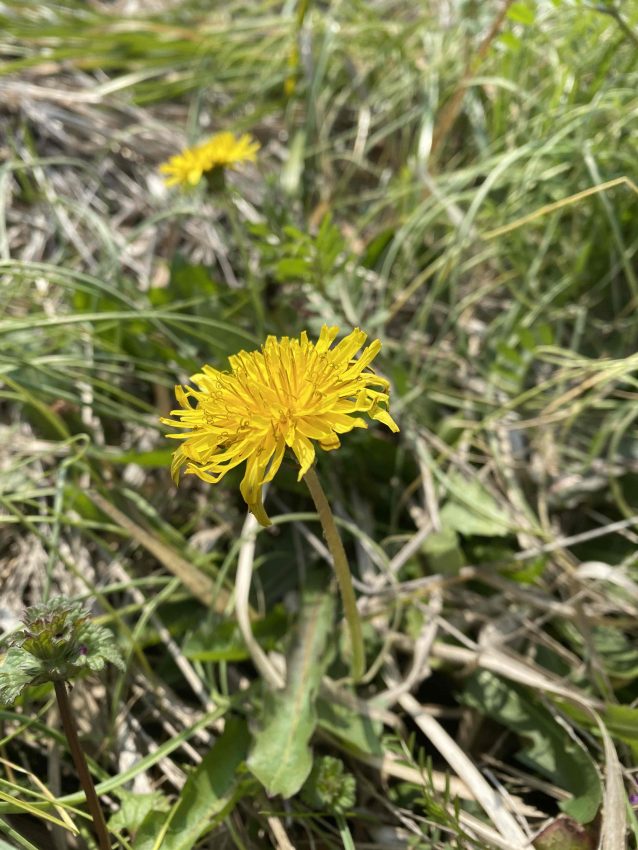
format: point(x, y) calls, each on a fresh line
point(281, 758)
point(57, 643)
point(17, 671)
point(99, 648)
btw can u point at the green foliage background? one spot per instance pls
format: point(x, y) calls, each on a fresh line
point(456, 179)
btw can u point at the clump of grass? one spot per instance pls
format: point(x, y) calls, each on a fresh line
point(492, 545)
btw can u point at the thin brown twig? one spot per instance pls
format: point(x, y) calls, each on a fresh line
point(452, 107)
point(92, 802)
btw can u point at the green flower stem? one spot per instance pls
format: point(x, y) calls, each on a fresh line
point(344, 832)
point(342, 571)
point(70, 730)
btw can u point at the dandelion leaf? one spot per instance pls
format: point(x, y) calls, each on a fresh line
point(281, 758)
point(210, 793)
point(360, 734)
point(471, 510)
point(135, 808)
point(548, 748)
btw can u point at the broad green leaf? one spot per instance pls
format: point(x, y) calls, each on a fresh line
point(281, 758)
point(617, 652)
point(443, 552)
point(134, 808)
point(549, 749)
point(296, 235)
point(622, 720)
point(209, 794)
point(189, 280)
point(220, 639)
point(291, 267)
point(471, 510)
point(355, 730)
point(510, 40)
point(521, 13)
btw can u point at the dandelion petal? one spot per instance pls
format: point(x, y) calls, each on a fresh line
point(287, 395)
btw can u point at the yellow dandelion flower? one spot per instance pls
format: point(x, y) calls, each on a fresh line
point(288, 394)
point(227, 150)
point(185, 168)
point(223, 150)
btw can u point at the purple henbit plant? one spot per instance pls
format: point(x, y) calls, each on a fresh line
point(58, 643)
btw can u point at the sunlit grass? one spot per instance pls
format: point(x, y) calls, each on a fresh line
point(499, 273)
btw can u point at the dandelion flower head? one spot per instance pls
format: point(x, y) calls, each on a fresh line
point(223, 150)
point(287, 395)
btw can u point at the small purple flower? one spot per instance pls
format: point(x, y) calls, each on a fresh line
point(633, 799)
point(84, 650)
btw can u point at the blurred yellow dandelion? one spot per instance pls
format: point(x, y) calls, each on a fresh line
point(223, 150)
point(288, 394)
